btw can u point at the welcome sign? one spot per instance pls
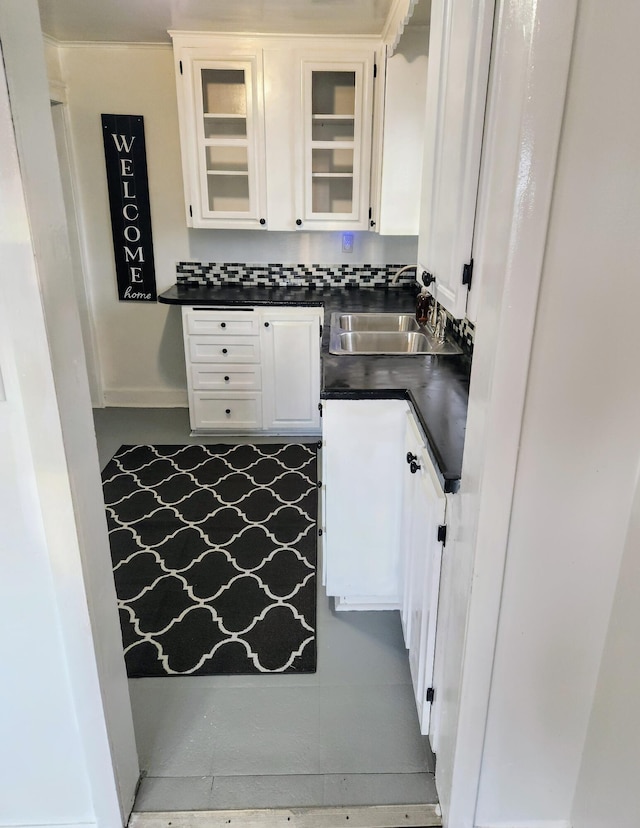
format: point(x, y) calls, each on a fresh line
point(126, 162)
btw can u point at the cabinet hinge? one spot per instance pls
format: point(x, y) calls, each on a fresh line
point(467, 274)
point(442, 534)
point(180, 67)
point(320, 408)
point(430, 694)
point(375, 70)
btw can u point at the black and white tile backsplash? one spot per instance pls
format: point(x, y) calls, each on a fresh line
point(197, 274)
point(281, 275)
point(463, 332)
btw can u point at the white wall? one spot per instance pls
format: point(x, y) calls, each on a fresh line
point(608, 792)
point(580, 444)
point(139, 344)
point(49, 396)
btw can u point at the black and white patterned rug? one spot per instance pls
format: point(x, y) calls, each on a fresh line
point(214, 557)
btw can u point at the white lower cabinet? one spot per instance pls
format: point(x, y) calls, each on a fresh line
point(424, 507)
point(290, 343)
point(253, 369)
point(383, 506)
point(362, 473)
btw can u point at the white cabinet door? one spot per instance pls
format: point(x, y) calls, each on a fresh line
point(422, 555)
point(222, 136)
point(335, 141)
point(362, 478)
point(290, 340)
point(397, 208)
point(459, 50)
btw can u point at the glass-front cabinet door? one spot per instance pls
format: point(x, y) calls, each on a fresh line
point(227, 166)
point(336, 144)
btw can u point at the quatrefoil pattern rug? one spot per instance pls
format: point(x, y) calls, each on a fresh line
point(214, 557)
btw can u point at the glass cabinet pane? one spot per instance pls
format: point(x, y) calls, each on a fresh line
point(332, 161)
point(332, 195)
point(228, 193)
point(227, 159)
point(333, 93)
point(340, 129)
point(224, 92)
point(216, 126)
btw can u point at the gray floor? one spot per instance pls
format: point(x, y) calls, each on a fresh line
point(345, 735)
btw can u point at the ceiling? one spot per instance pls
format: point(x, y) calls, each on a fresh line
point(147, 21)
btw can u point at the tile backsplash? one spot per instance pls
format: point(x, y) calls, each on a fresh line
point(281, 275)
point(463, 332)
point(196, 274)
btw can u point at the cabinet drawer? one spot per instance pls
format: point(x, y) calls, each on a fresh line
point(227, 411)
point(224, 349)
point(238, 323)
point(216, 377)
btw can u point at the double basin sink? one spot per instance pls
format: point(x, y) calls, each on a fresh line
point(384, 333)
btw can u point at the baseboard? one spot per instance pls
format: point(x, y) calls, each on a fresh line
point(54, 824)
point(371, 816)
point(534, 823)
point(366, 603)
point(145, 398)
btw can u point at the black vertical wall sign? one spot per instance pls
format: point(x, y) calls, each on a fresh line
point(126, 162)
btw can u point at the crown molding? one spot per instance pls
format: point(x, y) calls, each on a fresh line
point(399, 15)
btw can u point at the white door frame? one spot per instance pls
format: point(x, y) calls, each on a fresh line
point(68, 174)
point(529, 73)
point(46, 356)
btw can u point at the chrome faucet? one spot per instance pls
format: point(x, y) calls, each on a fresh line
point(394, 278)
point(423, 281)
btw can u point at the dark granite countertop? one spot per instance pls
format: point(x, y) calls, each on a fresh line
point(437, 386)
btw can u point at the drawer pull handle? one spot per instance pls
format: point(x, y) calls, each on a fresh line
point(226, 379)
point(227, 411)
point(223, 324)
point(224, 350)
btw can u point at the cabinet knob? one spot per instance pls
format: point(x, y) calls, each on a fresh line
point(224, 350)
point(299, 222)
point(263, 222)
point(266, 324)
point(411, 457)
point(226, 379)
point(372, 223)
point(427, 278)
point(413, 467)
point(227, 411)
point(223, 324)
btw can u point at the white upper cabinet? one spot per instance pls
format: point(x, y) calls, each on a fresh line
point(222, 136)
point(335, 141)
point(396, 208)
point(275, 135)
point(459, 51)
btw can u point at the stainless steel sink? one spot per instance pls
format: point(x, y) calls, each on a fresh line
point(377, 322)
point(384, 333)
point(377, 342)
